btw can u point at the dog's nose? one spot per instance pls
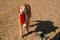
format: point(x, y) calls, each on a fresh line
point(22, 12)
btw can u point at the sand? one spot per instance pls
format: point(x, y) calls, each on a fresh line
point(45, 18)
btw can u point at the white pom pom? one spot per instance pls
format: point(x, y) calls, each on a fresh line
point(24, 25)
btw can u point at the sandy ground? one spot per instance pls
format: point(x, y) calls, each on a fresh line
point(45, 20)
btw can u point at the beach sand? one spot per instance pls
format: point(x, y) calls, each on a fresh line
point(45, 14)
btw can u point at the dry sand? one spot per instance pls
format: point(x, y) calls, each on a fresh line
point(45, 16)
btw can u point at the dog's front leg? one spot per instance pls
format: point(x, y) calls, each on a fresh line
point(21, 31)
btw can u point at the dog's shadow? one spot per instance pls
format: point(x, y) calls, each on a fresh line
point(43, 26)
point(57, 37)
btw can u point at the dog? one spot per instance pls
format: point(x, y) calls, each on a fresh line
point(25, 15)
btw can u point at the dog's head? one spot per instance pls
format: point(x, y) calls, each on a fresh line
point(24, 8)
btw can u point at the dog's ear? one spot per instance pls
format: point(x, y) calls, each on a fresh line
point(28, 9)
